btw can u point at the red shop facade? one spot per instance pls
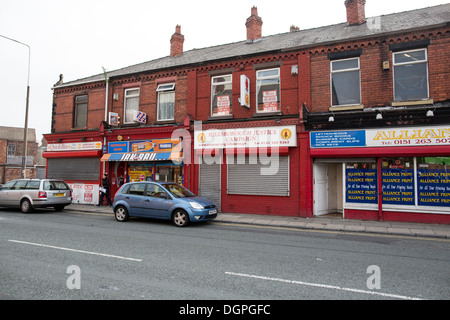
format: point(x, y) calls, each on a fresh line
point(251, 167)
point(388, 174)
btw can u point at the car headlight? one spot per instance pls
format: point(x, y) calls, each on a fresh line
point(196, 205)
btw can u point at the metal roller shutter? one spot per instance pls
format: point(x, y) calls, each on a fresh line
point(73, 168)
point(247, 178)
point(210, 183)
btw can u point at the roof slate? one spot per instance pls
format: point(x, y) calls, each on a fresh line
point(308, 38)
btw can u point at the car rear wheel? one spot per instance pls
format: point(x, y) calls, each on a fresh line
point(25, 206)
point(121, 214)
point(180, 218)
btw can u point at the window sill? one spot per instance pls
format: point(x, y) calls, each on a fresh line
point(229, 116)
point(411, 103)
point(347, 107)
point(129, 124)
point(267, 114)
point(165, 121)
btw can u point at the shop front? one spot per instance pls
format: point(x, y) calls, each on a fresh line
point(249, 169)
point(395, 174)
point(157, 160)
point(78, 163)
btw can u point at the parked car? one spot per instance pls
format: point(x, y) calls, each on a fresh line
point(168, 201)
point(28, 194)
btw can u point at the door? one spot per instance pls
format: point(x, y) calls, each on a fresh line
point(320, 189)
point(158, 202)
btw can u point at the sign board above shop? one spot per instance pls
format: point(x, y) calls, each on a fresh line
point(76, 146)
point(144, 150)
point(258, 137)
point(385, 137)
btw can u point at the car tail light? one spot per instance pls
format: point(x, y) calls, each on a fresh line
point(42, 194)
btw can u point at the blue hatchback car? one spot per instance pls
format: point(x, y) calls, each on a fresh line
point(168, 201)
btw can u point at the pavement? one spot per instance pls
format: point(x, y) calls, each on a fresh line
point(333, 222)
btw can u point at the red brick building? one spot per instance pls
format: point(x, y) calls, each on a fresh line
point(278, 124)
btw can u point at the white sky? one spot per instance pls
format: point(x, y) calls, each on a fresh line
point(77, 38)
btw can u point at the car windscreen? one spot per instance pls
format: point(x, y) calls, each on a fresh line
point(55, 185)
point(178, 191)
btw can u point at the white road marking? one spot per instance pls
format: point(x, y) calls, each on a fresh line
point(318, 285)
point(75, 250)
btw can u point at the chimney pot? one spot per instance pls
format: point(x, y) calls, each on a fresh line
point(254, 25)
point(176, 42)
point(355, 11)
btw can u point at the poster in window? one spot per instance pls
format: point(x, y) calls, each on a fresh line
point(223, 105)
point(433, 187)
point(361, 185)
point(398, 186)
point(270, 100)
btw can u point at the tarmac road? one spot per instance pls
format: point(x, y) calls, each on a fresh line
point(89, 256)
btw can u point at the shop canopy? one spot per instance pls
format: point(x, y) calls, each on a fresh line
point(143, 156)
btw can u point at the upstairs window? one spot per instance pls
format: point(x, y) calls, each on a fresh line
point(345, 82)
point(11, 150)
point(131, 104)
point(221, 92)
point(268, 90)
point(410, 75)
point(80, 112)
point(166, 101)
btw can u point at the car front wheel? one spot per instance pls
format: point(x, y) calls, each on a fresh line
point(121, 214)
point(180, 218)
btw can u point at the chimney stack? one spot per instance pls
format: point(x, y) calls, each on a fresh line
point(355, 11)
point(176, 42)
point(254, 24)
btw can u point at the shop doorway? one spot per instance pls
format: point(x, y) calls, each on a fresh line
point(328, 188)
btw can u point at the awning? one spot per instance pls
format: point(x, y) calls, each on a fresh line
point(143, 156)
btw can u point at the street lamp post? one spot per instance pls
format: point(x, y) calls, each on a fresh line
point(25, 134)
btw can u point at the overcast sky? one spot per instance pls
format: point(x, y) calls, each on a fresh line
point(77, 38)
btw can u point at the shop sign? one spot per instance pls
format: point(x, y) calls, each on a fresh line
point(281, 136)
point(77, 146)
point(245, 92)
point(392, 137)
point(154, 145)
point(113, 119)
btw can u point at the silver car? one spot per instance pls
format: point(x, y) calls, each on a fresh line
point(28, 194)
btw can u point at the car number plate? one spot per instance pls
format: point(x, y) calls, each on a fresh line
point(213, 211)
point(59, 194)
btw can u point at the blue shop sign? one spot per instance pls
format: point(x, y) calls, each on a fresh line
point(338, 139)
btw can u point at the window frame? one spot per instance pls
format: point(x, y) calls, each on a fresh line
point(213, 95)
point(77, 105)
point(259, 78)
point(128, 96)
point(342, 71)
point(163, 89)
point(400, 64)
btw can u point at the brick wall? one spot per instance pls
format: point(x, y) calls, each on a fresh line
point(376, 83)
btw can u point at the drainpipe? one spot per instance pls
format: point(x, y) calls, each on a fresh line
point(106, 108)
